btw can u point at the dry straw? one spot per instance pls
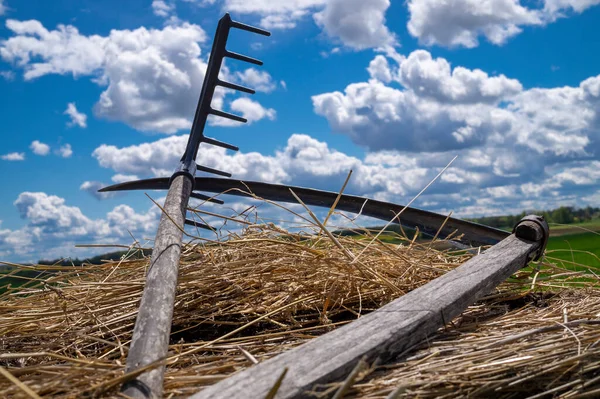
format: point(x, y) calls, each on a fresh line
point(263, 290)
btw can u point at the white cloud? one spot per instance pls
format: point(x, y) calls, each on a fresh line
point(381, 117)
point(13, 156)
point(7, 75)
point(303, 161)
point(61, 51)
point(77, 118)
point(151, 77)
point(257, 80)
point(92, 188)
point(469, 188)
point(65, 151)
point(53, 228)
point(121, 178)
point(463, 22)
point(247, 108)
point(539, 142)
point(278, 14)
point(50, 213)
point(442, 109)
point(379, 69)
point(39, 148)
point(356, 23)
point(162, 9)
point(482, 181)
point(559, 8)
point(434, 78)
point(2, 7)
point(252, 110)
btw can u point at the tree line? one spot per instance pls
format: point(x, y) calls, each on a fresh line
point(96, 260)
point(562, 215)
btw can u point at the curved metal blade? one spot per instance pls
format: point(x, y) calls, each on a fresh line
point(430, 223)
point(158, 183)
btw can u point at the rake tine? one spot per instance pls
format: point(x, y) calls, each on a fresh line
point(233, 86)
point(221, 144)
point(199, 225)
point(226, 115)
point(242, 57)
point(213, 171)
point(249, 28)
point(206, 198)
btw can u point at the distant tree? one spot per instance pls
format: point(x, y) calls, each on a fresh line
point(563, 215)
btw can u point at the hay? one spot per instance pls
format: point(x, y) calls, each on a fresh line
point(259, 293)
point(522, 347)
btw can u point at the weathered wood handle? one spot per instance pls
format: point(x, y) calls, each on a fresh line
point(150, 340)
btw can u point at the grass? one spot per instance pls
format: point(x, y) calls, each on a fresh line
point(20, 277)
point(574, 228)
point(582, 248)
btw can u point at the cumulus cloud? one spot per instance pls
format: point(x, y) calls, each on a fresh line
point(275, 15)
point(463, 22)
point(161, 8)
point(379, 69)
point(484, 181)
point(39, 148)
point(121, 178)
point(92, 187)
point(560, 8)
point(440, 108)
point(356, 23)
point(471, 187)
point(151, 77)
point(53, 227)
point(303, 161)
point(144, 159)
point(435, 79)
point(13, 156)
point(77, 118)
point(7, 75)
point(65, 151)
point(252, 110)
point(51, 216)
point(535, 141)
point(379, 117)
point(257, 80)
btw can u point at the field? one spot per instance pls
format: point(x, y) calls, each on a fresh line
point(575, 244)
point(575, 228)
point(581, 248)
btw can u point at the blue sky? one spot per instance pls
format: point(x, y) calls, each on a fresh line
point(99, 92)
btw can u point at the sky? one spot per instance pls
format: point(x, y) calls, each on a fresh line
point(98, 92)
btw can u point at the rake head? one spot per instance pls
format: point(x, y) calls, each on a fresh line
point(187, 165)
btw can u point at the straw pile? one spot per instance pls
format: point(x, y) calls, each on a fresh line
point(259, 293)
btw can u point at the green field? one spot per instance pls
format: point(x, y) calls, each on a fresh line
point(581, 248)
point(574, 228)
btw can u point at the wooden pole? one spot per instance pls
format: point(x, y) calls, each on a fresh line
point(389, 331)
point(150, 340)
